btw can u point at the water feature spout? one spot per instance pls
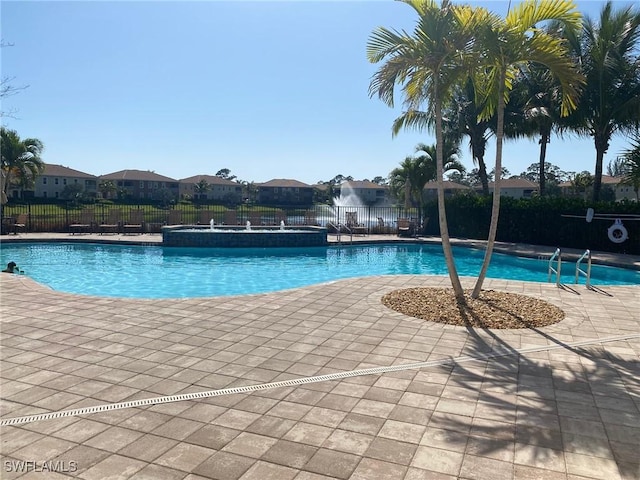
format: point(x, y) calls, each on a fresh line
point(211, 223)
point(281, 224)
point(248, 225)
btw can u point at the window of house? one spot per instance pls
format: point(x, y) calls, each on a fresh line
point(44, 180)
point(56, 194)
point(44, 194)
point(64, 181)
point(141, 194)
point(75, 180)
point(56, 181)
point(141, 184)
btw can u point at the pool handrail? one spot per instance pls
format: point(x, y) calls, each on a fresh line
point(557, 254)
point(587, 274)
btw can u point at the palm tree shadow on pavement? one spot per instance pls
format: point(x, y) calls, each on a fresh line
point(560, 409)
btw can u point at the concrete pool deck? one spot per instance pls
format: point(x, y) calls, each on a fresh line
point(559, 402)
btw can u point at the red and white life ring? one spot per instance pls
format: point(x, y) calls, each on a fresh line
point(617, 232)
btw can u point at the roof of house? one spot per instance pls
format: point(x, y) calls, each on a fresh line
point(53, 170)
point(514, 183)
point(448, 185)
point(137, 175)
point(606, 180)
point(362, 184)
point(210, 179)
point(283, 182)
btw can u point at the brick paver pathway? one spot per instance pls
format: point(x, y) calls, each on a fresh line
point(560, 402)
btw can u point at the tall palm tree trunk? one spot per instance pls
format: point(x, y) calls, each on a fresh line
point(442, 215)
point(544, 139)
point(602, 145)
point(495, 208)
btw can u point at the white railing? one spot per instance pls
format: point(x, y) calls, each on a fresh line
point(587, 274)
point(556, 270)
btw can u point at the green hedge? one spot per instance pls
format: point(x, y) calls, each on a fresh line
point(539, 221)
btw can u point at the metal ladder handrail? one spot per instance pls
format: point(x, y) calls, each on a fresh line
point(555, 270)
point(587, 274)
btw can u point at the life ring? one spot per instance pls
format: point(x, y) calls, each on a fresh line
point(617, 232)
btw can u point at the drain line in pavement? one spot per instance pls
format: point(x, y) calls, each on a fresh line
point(302, 381)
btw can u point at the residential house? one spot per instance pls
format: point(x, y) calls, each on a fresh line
point(219, 189)
point(367, 192)
point(514, 187)
point(55, 178)
point(282, 191)
point(143, 185)
point(622, 192)
point(450, 189)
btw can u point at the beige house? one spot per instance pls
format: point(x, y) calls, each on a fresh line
point(217, 188)
point(55, 178)
point(514, 188)
point(368, 192)
point(450, 189)
point(622, 192)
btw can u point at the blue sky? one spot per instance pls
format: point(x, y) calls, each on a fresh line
point(266, 89)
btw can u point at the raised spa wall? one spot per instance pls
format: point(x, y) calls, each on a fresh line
point(232, 236)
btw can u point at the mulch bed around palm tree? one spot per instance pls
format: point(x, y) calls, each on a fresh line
point(491, 310)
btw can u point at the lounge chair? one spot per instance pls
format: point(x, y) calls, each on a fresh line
point(351, 222)
point(85, 223)
point(230, 217)
point(175, 217)
point(135, 223)
point(113, 223)
point(19, 223)
point(205, 217)
point(280, 216)
point(310, 218)
point(405, 227)
point(255, 218)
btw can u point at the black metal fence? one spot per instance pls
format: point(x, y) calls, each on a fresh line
point(534, 221)
point(61, 218)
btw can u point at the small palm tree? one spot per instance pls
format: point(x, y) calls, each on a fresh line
point(107, 188)
point(21, 159)
point(427, 64)
point(504, 48)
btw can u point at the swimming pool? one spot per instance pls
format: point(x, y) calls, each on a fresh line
point(172, 272)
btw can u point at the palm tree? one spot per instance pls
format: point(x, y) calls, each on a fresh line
point(407, 180)
point(607, 52)
point(201, 188)
point(426, 63)
point(507, 46)
point(463, 118)
point(631, 158)
point(537, 100)
point(414, 173)
point(107, 188)
point(20, 158)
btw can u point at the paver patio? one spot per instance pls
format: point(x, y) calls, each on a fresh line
point(556, 402)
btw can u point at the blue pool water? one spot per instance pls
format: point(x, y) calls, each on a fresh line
point(157, 272)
